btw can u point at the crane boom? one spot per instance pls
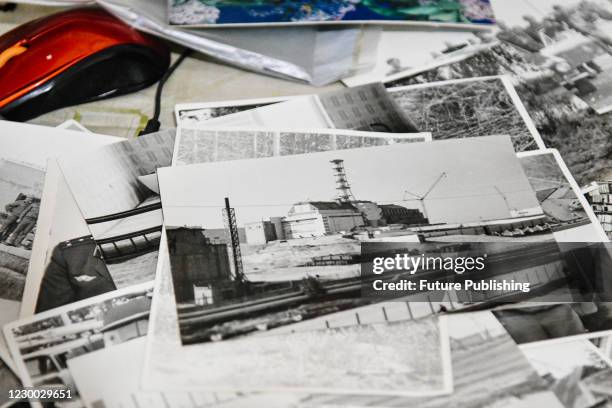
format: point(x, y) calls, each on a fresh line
point(435, 183)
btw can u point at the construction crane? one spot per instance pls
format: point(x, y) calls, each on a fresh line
point(421, 198)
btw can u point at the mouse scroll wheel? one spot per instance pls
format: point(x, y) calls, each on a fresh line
point(10, 53)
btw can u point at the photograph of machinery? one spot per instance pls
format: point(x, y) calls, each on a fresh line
point(284, 252)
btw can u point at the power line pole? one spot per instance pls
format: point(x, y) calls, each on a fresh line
point(231, 230)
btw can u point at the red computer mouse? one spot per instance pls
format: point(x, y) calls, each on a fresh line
point(76, 56)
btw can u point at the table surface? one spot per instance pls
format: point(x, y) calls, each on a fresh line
point(198, 79)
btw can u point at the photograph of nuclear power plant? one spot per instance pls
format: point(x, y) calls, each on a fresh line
point(283, 250)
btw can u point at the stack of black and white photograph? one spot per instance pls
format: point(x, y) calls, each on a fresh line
point(227, 259)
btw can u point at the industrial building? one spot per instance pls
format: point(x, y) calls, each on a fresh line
point(397, 214)
point(317, 218)
point(599, 195)
point(309, 219)
point(219, 235)
point(260, 232)
point(202, 263)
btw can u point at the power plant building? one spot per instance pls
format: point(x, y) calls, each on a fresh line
point(397, 214)
point(308, 219)
point(317, 218)
point(260, 232)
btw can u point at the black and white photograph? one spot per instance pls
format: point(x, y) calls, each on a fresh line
point(398, 358)
point(8, 381)
point(489, 369)
point(599, 195)
point(193, 114)
point(115, 189)
point(59, 221)
point(557, 321)
point(279, 239)
point(394, 57)
point(368, 108)
point(43, 345)
point(195, 145)
point(568, 212)
point(581, 378)
point(164, 340)
point(21, 185)
point(323, 216)
point(568, 217)
point(558, 62)
point(468, 108)
point(164, 352)
point(448, 109)
point(108, 387)
point(22, 177)
point(123, 216)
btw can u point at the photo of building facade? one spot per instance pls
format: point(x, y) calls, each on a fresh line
point(599, 195)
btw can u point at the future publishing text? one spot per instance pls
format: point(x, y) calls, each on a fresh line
point(438, 279)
